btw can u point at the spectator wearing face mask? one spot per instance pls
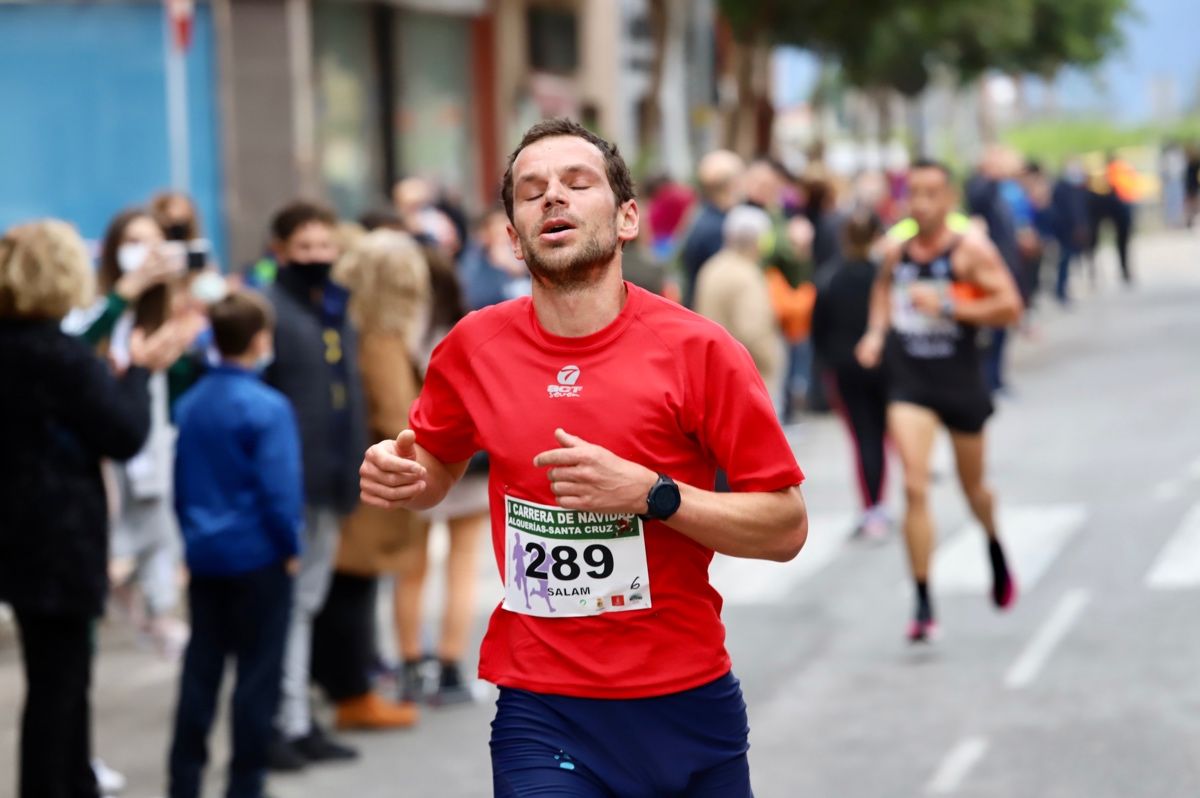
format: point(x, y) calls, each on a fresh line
point(316, 368)
point(240, 509)
point(145, 283)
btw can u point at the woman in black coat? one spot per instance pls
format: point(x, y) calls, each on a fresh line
point(61, 411)
point(839, 321)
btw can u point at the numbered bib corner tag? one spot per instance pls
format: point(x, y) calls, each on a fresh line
point(570, 563)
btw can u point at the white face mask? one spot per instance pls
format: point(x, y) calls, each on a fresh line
point(209, 287)
point(130, 257)
point(264, 361)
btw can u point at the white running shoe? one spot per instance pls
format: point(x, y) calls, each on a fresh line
point(110, 781)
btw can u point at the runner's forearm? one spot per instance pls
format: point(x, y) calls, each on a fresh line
point(763, 526)
point(880, 311)
point(439, 479)
point(993, 311)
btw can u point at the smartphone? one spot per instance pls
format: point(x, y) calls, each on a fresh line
point(198, 250)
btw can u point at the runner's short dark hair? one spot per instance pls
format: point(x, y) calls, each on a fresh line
point(291, 217)
point(237, 318)
point(615, 168)
point(931, 163)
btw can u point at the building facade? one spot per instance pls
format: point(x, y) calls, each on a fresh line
point(327, 99)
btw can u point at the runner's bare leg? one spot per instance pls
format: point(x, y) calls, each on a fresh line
point(913, 429)
point(969, 458)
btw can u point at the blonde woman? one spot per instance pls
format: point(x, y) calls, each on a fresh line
point(389, 293)
point(465, 513)
point(61, 412)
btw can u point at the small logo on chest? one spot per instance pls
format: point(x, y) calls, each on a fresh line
point(567, 387)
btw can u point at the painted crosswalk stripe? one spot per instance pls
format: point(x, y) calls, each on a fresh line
point(1172, 488)
point(1033, 536)
point(956, 765)
point(748, 582)
point(1178, 565)
point(1048, 636)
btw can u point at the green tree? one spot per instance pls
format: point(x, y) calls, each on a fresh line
point(894, 46)
point(1077, 33)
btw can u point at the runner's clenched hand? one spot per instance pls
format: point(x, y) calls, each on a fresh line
point(390, 474)
point(926, 299)
point(584, 476)
point(869, 350)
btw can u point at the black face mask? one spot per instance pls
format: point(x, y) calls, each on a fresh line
point(312, 273)
point(177, 231)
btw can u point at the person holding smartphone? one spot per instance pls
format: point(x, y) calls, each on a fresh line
point(143, 283)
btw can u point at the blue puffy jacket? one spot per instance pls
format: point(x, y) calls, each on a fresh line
point(238, 487)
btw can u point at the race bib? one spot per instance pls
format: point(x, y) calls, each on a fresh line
point(907, 320)
point(571, 563)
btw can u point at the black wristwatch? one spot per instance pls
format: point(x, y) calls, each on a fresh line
point(662, 501)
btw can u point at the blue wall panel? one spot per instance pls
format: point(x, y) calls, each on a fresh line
point(83, 125)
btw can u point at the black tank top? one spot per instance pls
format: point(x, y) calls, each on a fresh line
point(926, 347)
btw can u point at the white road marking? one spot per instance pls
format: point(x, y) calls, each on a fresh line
point(1178, 565)
point(956, 765)
point(1048, 635)
point(1032, 535)
point(1172, 488)
point(750, 582)
point(1167, 490)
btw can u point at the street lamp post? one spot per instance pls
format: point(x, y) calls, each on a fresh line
point(176, 41)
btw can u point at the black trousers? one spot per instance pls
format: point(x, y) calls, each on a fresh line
point(1122, 217)
point(56, 724)
point(245, 616)
point(863, 403)
point(343, 647)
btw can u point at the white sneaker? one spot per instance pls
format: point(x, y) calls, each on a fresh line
point(168, 636)
point(875, 526)
point(110, 781)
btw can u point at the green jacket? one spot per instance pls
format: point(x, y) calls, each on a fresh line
point(181, 375)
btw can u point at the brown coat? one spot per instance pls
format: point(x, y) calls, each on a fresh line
point(374, 541)
point(732, 290)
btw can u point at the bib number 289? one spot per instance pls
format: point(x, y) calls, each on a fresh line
point(568, 563)
point(565, 566)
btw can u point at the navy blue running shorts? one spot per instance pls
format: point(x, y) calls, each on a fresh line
point(691, 744)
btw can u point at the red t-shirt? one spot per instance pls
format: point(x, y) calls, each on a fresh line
point(660, 386)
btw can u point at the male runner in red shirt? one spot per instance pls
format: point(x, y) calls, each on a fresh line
point(605, 411)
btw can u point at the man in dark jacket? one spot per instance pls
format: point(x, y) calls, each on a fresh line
point(1069, 221)
point(984, 202)
point(316, 368)
point(61, 411)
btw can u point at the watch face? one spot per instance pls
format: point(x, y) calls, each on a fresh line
point(664, 499)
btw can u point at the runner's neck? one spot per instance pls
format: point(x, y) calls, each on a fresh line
point(932, 241)
point(580, 312)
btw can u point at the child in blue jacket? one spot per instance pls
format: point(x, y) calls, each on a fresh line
point(239, 497)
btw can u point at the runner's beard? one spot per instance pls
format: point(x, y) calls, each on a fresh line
point(566, 269)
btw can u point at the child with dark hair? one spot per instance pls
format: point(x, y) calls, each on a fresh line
point(240, 505)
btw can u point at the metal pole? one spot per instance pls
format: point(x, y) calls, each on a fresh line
point(177, 110)
point(300, 58)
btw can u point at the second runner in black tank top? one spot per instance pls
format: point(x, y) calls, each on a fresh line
point(934, 361)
